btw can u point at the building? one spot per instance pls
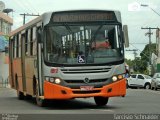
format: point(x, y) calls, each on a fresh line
point(5, 28)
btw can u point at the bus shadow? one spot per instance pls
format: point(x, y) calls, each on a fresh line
point(71, 104)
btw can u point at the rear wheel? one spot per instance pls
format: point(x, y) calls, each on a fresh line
point(101, 101)
point(20, 95)
point(28, 97)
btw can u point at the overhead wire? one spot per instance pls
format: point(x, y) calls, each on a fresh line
point(26, 8)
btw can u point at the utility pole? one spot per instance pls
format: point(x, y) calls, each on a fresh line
point(149, 33)
point(27, 14)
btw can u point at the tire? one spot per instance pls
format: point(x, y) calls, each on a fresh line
point(39, 101)
point(20, 95)
point(152, 88)
point(101, 101)
point(147, 86)
point(127, 86)
point(28, 97)
point(155, 88)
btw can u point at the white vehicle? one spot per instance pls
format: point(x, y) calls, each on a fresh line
point(155, 83)
point(139, 81)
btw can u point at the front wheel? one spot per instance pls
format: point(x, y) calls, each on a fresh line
point(152, 88)
point(101, 101)
point(40, 102)
point(147, 86)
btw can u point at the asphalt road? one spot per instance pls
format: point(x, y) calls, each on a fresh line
point(137, 101)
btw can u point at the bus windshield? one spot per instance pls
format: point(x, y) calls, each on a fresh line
point(67, 43)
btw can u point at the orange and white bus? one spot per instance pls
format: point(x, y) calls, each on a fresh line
point(55, 56)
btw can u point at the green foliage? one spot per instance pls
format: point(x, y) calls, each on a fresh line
point(140, 64)
point(145, 54)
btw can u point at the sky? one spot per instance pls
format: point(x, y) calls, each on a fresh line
point(133, 15)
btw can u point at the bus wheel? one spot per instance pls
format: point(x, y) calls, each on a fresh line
point(20, 95)
point(40, 102)
point(101, 101)
point(28, 97)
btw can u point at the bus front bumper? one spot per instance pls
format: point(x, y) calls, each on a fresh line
point(54, 91)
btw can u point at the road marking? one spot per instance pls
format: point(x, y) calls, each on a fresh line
point(152, 91)
point(144, 90)
point(104, 110)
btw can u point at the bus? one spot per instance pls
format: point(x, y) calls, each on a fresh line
point(69, 54)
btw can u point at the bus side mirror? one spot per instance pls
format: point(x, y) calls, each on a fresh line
point(125, 34)
point(39, 35)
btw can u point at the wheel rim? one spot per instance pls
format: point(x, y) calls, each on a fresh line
point(147, 86)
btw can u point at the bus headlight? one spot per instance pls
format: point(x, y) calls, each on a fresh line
point(114, 78)
point(117, 77)
point(57, 81)
point(53, 80)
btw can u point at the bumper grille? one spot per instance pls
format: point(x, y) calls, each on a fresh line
point(85, 70)
point(86, 92)
point(90, 81)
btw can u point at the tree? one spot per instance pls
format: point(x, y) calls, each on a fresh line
point(147, 50)
point(140, 64)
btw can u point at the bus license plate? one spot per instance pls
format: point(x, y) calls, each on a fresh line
point(86, 88)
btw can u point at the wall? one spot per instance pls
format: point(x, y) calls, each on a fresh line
point(4, 67)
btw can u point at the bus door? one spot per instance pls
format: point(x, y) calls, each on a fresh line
point(39, 61)
point(11, 52)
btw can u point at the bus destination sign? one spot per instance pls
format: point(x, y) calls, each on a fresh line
point(83, 17)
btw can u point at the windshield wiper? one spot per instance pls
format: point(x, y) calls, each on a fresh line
point(68, 28)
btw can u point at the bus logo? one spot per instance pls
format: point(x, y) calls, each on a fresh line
point(81, 59)
point(86, 80)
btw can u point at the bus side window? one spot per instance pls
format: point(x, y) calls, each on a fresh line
point(14, 47)
point(26, 43)
point(31, 41)
point(19, 39)
point(34, 41)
